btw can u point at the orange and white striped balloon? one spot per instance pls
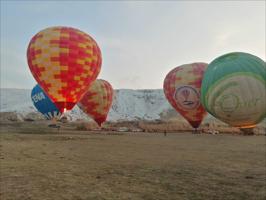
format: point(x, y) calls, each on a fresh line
point(97, 101)
point(64, 61)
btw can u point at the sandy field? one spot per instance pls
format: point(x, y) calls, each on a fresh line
point(41, 163)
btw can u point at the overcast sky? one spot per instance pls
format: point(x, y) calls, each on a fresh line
point(141, 41)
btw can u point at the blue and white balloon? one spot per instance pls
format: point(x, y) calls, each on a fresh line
point(43, 103)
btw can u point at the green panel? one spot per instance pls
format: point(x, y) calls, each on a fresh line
point(229, 64)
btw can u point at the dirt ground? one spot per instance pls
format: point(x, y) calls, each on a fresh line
point(40, 164)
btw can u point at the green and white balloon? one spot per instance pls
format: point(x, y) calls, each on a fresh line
point(234, 89)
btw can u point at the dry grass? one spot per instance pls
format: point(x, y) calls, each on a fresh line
point(173, 126)
point(84, 165)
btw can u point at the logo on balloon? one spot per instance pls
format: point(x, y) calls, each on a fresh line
point(187, 97)
point(38, 97)
point(229, 103)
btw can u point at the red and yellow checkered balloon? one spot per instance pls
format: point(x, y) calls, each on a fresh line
point(97, 101)
point(64, 61)
point(182, 89)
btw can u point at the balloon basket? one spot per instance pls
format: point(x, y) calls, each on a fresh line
point(247, 131)
point(195, 131)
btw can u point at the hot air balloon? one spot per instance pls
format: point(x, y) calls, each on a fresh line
point(234, 89)
point(97, 101)
point(182, 89)
point(64, 61)
point(43, 103)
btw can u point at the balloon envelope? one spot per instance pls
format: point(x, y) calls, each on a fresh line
point(97, 101)
point(234, 89)
point(182, 89)
point(43, 103)
point(64, 61)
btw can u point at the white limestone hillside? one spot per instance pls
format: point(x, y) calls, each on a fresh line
point(127, 104)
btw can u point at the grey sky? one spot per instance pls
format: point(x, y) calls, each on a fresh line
point(140, 41)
